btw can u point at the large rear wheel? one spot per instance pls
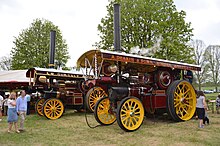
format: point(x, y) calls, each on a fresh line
point(39, 105)
point(103, 113)
point(130, 114)
point(92, 96)
point(181, 100)
point(53, 108)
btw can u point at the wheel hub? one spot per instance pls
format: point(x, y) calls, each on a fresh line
point(131, 114)
point(182, 99)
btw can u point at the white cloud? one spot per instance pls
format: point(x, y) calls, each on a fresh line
point(204, 15)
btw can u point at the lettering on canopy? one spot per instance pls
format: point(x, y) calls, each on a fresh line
point(147, 61)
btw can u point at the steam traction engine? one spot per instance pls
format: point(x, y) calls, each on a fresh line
point(59, 90)
point(137, 86)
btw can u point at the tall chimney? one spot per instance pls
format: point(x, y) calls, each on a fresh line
point(117, 29)
point(52, 48)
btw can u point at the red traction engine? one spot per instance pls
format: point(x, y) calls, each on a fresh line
point(59, 90)
point(139, 86)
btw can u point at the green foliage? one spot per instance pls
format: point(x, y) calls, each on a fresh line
point(143, 22)
point(33, 44)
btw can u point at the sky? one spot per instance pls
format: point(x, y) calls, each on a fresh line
point(78, 21)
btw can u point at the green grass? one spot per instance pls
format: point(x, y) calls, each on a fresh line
point(211, 96)
point(71, 129)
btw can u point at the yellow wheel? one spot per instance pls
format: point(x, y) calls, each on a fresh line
point(92, 96)
point(130, 114)
point(53, 108)
point(181, 100)
point(103, 114)
point(39, 105)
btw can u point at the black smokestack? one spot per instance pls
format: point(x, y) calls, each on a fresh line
point(117, 29)
point(52, 48)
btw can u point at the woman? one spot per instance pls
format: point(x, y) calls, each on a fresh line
point(12, 114)
point(200, 108)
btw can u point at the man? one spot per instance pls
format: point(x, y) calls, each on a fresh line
point(189, 76)
point(1, 104)
point(21, 107)
point(28, 97)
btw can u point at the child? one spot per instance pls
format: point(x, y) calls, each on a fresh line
point(12, 114)
point(218, 103)
point(206, 118)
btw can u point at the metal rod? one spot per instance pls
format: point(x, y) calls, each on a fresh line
point(52, 48)
point(117, 29)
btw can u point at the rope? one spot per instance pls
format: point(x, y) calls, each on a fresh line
point(86, 118)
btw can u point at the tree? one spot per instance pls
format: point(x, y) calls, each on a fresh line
point(143, 22)
point(32, 46)
point(212, 55)
point(5, 63)
point(199, 50)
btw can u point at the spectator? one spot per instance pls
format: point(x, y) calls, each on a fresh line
point(12, 114)
point(1, 104)
point(206, 118)
point(28, 97)
point(218, 103)
point(21, 108)
point(6, 105)
point(189, 76)
point(200, 108)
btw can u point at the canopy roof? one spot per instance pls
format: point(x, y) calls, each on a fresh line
point(54, 73)
point(130, 58)
point(13, 76)
point(13, 79)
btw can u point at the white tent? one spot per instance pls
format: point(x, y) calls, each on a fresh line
point(13, 79)
point(13, 76)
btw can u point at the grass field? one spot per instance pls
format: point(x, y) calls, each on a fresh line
point(211, 96)
point(71, 129)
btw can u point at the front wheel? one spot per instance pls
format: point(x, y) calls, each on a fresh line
point(130, 114)
point(181, 100)
point(53, 108)
point(103, 113)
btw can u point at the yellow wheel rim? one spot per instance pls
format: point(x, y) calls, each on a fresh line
point(53, 109)
point(185, 101)
point(39, 106)
point(103, 114)
point(132, 114)
point(94, 96)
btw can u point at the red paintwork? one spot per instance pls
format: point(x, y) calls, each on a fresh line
point(103, 83)
point(149, 78)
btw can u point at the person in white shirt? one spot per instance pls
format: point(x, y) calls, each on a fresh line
point(28, 97)
point(12, 113)
point(200, 107)
point(1, 104)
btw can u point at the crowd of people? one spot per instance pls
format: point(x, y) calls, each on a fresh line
point(15, 107)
